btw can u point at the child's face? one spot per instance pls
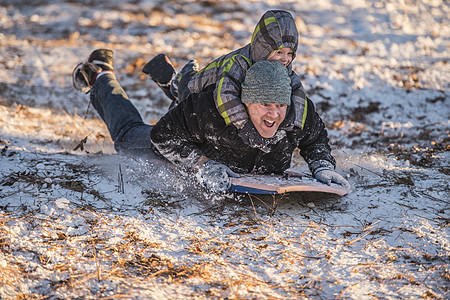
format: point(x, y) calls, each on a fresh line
point(283, 55)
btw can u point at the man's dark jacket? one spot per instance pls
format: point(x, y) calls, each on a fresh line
point(195, 128)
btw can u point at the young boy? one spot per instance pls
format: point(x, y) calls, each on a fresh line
point(275, 38)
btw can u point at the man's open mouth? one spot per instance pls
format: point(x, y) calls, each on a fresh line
point(269, 123)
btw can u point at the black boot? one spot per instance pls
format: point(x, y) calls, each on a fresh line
point(161, 71)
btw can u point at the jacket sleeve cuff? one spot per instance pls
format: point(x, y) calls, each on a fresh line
point(202, 159)
point(320, 165)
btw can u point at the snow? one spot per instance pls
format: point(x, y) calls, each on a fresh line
point(90, 224)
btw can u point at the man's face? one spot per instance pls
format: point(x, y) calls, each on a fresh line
point(266, 117)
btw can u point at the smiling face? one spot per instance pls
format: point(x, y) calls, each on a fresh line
point(283, 55)
point(266, 117)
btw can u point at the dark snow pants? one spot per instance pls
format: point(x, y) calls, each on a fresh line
point(127, 129)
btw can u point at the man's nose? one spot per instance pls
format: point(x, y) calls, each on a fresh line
point(272, 112)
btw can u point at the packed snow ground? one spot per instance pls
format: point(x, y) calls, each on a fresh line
point(88, 223)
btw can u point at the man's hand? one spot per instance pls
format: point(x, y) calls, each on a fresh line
point(215, 176)
point(330, 176)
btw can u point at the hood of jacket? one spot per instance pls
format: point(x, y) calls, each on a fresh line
point(275, 30)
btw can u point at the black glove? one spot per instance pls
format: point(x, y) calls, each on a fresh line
point(329, 176)
point(215, 176)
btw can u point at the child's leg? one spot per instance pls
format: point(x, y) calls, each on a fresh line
point(183, 91)
point(179, 87)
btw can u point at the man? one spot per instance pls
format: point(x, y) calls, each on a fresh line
point(196, 138)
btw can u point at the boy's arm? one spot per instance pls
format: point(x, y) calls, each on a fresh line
point(227, 94)
point(299, 98)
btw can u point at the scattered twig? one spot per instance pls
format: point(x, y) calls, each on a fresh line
point(121, 186)
point(97, 263)
point(81, 144)
point(254, 209)
point(404, 205)
point(357, 239)
point(368, 170)
point(267, 206)
point(429, 219)
point(275, 201)
point(87, 110)
point(431, 197)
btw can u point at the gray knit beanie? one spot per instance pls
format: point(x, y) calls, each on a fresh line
point(267, 82)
